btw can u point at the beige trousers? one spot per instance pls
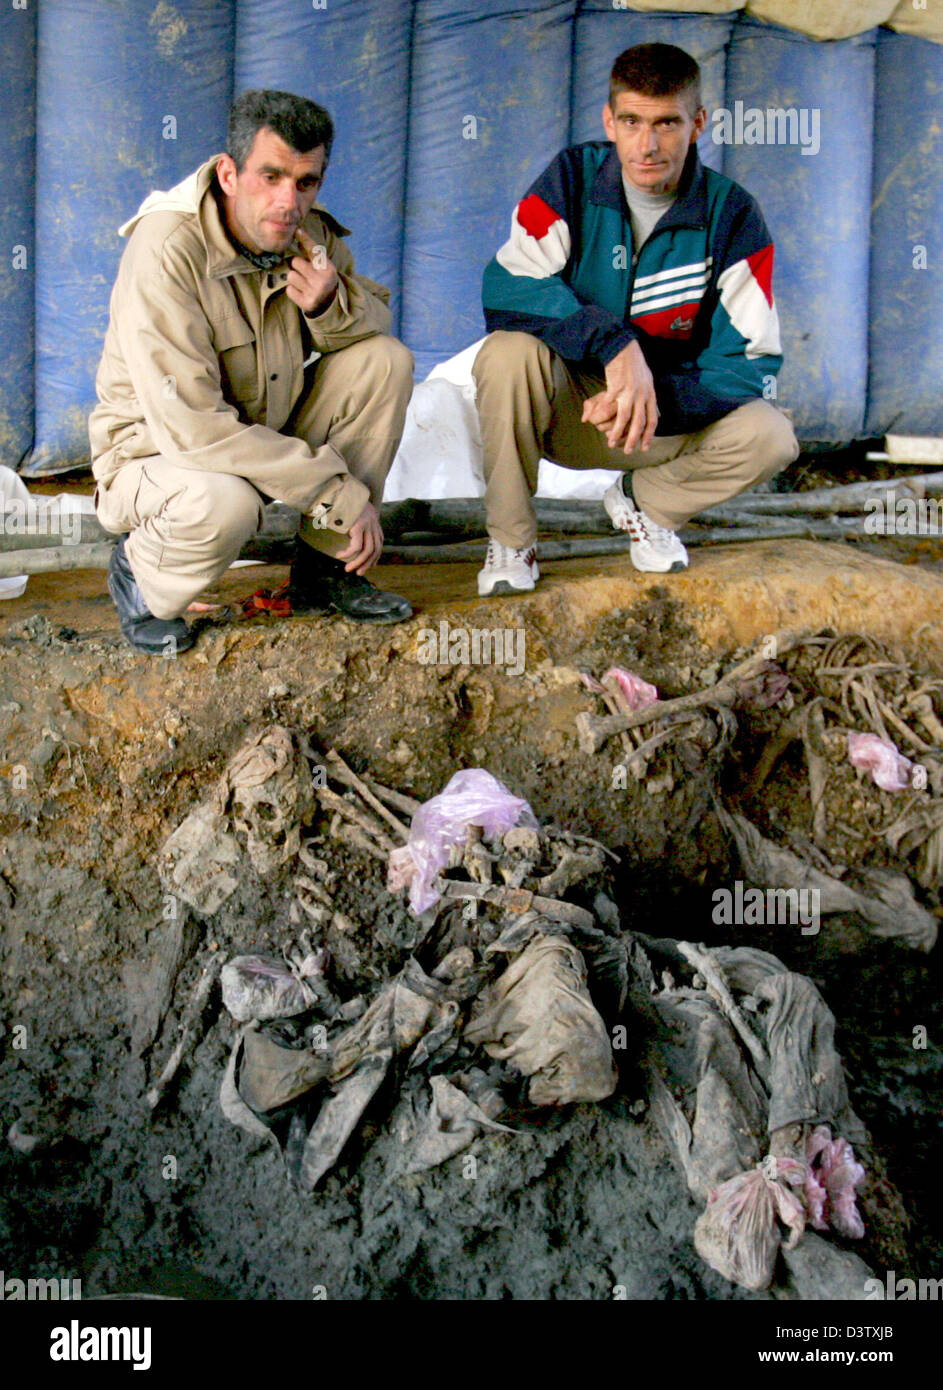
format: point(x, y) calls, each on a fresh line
point(530, 402)
point(187, 525)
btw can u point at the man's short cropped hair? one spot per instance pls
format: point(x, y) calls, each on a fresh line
point(656, 70)
point(302, 124)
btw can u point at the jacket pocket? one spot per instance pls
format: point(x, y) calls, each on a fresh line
point(236, 351)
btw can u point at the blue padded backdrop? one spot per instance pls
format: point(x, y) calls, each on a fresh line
point(489, 107)
point(17, 215)
point(905, 390)
point(816, 206)
point(131, 97)
point(445, 112)
point(353, 58)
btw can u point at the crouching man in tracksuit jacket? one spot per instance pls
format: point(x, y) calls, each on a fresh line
point(631, 326)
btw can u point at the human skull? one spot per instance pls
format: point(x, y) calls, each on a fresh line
point(267, 787)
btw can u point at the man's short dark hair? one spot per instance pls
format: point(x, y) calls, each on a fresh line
point(656, 70)
point(302, 124)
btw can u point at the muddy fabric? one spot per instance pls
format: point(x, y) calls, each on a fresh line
point(272, 1075)
point(806, 1079)
point(199, 862)
point(705, 1099)
point(397, 1018)
point(807, 1083)
point(823, 19)
point(355, 1063)
point(885, 900)
point(231, 1103)
point(263, 987)
point(395, 1021)
point(540, 1018)
point(452, 1122)
point(716, 1112)
point(339, 1117)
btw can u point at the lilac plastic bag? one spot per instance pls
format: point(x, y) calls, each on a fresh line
point(890, 769)
point(470, 797)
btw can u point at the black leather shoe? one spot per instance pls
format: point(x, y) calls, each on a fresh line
point(320, 584)
point(157, 636)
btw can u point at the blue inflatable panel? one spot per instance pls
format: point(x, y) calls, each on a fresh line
point(817, 207)
point(601, 35)
point(132, 96)
point(489, 109)
point(352, 56)
point(905, 389)
point(17, 282)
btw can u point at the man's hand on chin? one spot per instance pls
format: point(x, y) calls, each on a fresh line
point(366, 542)
point(312, 279)
point(627, 411)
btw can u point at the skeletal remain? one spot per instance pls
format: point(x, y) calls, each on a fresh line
point(190, 1018)
point(518, 900)
point(572, 868)
point(267, 786)
point(350, 835)
point(346, 775)
point(719, 990)
point(377, 835)
point(594, 730)
point(524, 839)
point(407, 805)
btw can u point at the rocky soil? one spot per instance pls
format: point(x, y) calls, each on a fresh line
point(102, 754)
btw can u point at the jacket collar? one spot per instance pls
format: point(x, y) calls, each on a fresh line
point(194, 196)
point(689, 208)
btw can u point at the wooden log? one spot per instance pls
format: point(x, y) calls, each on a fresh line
point(274, 542)
point(56, 558)
point(847, 497)
point(46, 532)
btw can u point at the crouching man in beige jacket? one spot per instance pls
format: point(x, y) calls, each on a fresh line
point(245, 360)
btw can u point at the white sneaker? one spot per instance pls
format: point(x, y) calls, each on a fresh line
point(508, 571)
point(653, 548)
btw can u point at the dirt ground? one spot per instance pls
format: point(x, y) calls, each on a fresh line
point(102, 754)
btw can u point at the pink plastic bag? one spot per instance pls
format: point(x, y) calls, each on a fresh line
point(832, 1175)
point(470, 797)
point(737, 1233)
point(636, 693)
point(890, 769)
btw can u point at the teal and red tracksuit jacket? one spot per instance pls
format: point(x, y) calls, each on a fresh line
point(698, 298)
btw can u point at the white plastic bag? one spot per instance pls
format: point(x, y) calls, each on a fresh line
point(264, 987)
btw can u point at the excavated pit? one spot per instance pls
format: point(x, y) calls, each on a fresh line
point(103, 754)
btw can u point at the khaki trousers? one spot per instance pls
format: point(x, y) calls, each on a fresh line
point(187, 525)
point(530, 402)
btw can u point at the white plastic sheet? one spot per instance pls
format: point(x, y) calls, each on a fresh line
point(440, 452)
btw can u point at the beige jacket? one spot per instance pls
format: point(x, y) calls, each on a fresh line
point(203, 354)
